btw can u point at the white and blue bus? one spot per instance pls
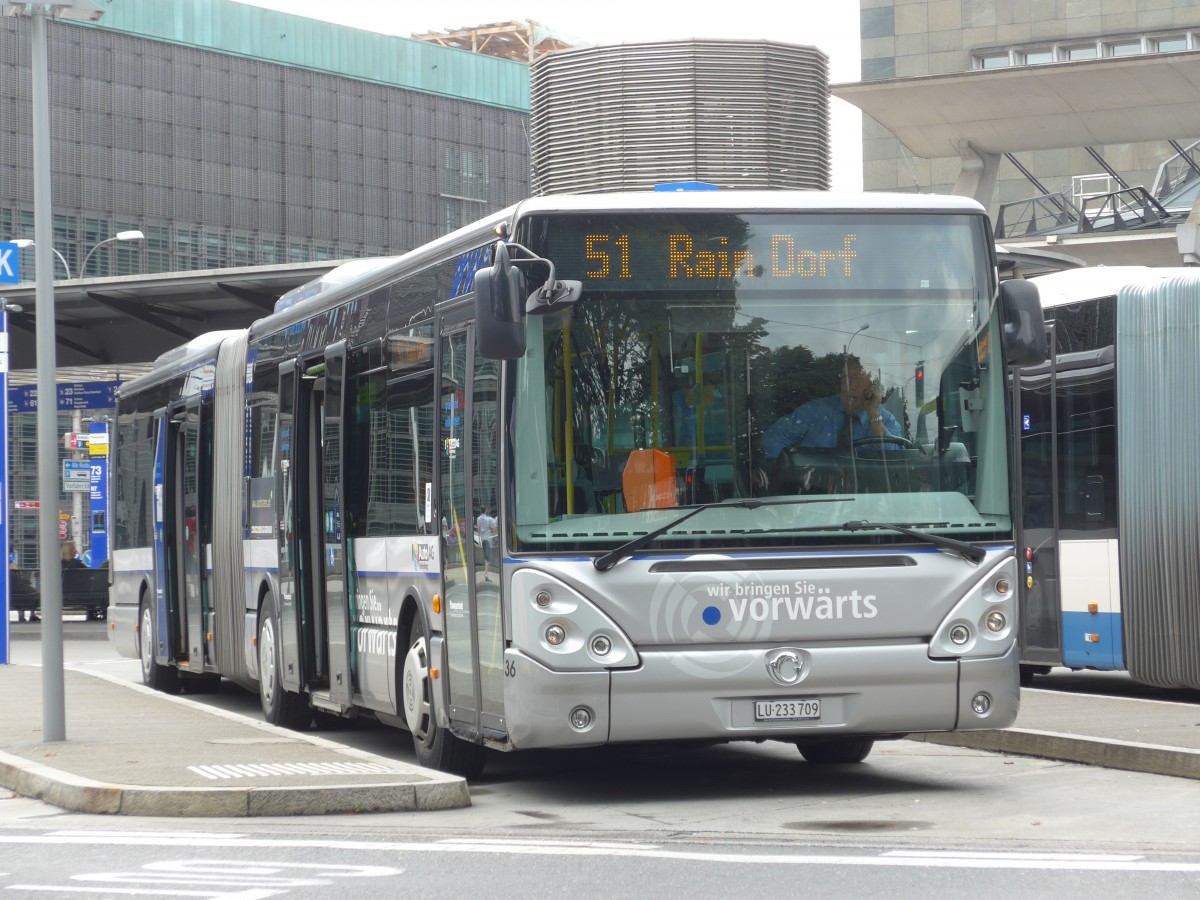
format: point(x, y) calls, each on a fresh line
point(306, 508)
point(1110, 500)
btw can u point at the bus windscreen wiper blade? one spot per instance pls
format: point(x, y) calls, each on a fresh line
point(967, 551)
point(606, 561)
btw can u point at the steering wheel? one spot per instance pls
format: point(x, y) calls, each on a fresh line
point(882, 439)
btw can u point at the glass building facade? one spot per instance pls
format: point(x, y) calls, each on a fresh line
point(236, 136)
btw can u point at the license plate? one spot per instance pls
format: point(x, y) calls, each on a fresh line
point(786, 710)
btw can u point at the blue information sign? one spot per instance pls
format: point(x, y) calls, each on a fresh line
point(97, 554)
point(4, 539)
point(10, 263)
point(76, 395)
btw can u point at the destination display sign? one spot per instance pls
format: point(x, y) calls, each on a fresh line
point(834, 251)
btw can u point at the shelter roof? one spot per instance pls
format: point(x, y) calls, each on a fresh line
point(104, 325)
point(1069, 104)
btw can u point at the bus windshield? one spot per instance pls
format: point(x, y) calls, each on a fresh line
point(853, 358)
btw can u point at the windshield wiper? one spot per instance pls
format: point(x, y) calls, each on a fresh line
point(606, 561)
point(969, 552)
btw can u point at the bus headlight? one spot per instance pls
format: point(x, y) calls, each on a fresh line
point(556, 624)
point(982, 623)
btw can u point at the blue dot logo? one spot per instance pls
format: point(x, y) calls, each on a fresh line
point(711, 615)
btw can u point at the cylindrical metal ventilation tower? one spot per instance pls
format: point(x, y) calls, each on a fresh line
point(737, 114)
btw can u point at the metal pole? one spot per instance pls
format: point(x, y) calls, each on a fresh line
point(54, 726)
point(77, 496)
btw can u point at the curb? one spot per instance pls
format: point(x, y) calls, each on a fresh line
point(1152, 759)
point(415, 789)
point(78, 794)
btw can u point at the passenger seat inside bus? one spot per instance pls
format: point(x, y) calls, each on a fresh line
point(648, 481)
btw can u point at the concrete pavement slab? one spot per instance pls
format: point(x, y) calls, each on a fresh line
point(134, 751)
point(1152, 736)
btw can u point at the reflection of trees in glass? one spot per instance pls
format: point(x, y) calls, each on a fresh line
point(787, 377)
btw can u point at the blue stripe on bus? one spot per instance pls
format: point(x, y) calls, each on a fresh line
point(881, 551)
point(1107, 654)
point(388, 574)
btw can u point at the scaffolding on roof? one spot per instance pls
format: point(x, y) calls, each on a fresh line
point(519, 41)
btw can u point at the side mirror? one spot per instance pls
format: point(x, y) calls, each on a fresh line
point(1022, 325)
point(500, 308)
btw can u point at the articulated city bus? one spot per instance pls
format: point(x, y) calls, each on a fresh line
point(568, 476)
point(1109, 499)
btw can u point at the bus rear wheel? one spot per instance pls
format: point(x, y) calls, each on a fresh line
point(161, 678)
point(835, 752)
point(435, 747)
point(279, 705)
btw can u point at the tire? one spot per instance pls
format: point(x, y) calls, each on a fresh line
point(200, 684)
point(280, 707)
point(837, 752)
point(161, 678)
point(324, 720)
point(1027, 673)
point(435, 747)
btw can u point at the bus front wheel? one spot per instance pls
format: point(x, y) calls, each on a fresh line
point(435, 747)
point(279, 705)
point(835, 752)
point(161, 678)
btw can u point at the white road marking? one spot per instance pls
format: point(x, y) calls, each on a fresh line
point(893, 859)
point(212, 879)
point(263, 770)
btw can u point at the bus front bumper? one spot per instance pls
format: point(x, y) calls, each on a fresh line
point(883, 690)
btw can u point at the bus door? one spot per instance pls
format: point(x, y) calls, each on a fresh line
point(183, 579)
point(330, 472)
point(168, 614)
point(1037, 461)
point(468, 486)
point(1069, 500)
point(297, 647)
point(314, 610)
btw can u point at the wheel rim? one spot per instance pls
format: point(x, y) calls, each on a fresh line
point(266, 661)
point(146, 643)
point(418, 711)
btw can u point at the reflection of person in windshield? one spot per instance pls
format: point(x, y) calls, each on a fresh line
point(852, 414)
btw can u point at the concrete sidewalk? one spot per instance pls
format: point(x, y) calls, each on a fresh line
point(134, 751)
point(1160, 738)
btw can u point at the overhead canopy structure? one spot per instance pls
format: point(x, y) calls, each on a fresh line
point(518, 41)
point(108, 323)
point(1083, 103)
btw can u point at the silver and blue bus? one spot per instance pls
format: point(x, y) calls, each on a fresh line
point(1110, 507)
point(510, 490)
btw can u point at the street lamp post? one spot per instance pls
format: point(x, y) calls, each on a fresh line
point(54, 726)
point(132, 235)
point(25, 243)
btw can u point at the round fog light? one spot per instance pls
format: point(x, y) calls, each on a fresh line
point(601, 645)
point(981, 703)
point(960, 634)
point(996, 621)
point(542, 599)
point(555, 635)
point(581, 718)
